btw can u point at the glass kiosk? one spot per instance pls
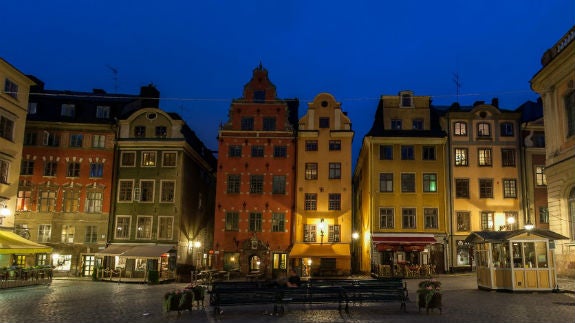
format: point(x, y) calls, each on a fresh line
point(518, 260)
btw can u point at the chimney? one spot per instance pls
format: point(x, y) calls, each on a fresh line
point(150, 96)
point(495, 102)
point(476, 103)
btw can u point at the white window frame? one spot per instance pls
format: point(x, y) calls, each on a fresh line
point(153, 182)
point(172, 200)
point(126, 236)
point(164, 158)
point(144, 233)
point(131, 194)
point(122, 158)
point(98, 141)
point(169, 231)
point(149, 159)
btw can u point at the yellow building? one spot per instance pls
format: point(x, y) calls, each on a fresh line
point(322, 225)
point(555, 82)
point(485, 174)
point(14, 91)
point(399, 184)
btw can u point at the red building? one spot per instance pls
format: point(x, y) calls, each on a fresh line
point(255, 181)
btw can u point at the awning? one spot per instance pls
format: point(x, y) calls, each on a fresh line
point(403, 239)
point(147, 251)
point(114, 250)
point(11, 243)
point(302, 250)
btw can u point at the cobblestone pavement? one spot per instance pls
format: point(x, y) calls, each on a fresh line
point(79, 301)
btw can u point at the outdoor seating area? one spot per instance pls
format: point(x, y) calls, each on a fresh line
point(404, 270)
point(18, 277)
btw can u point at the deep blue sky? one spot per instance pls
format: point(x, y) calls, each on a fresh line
point(201, 53)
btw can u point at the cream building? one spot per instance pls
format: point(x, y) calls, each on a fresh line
point(322, 226)
point(555, 82)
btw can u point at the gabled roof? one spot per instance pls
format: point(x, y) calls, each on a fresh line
point(500, 236)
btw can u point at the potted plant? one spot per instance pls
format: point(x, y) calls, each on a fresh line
point(429, 294)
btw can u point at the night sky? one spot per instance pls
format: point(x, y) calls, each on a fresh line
point(200, 54)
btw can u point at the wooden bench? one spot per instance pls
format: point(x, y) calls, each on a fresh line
point(307, 294)
point(377, 290)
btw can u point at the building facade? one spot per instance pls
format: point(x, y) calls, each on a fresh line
point(322, 227)
point(484, 168)
point(555, 83)
point(255, 181)
point(400, 185)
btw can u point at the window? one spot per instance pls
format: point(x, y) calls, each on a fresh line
point(279, 184)
point(543, 214)
point(406, 101)
point(128, 159)
point(144, 227)
point(32, 108)
point(91, 235)
point(511, 220)
point(11, 88)
point(334, 202)
point(407, 183)
point(334, 170)
point(98, 141)
point(396, 124)
point(257, 151)
point(460, 128)
point(125, 191)
point(485, 188)
point(94, 199)
point(255, 222)
point(278, 222)
point(509, 188)
point(167, 193)
point(147, 191)
point(334, 145)
point(309, 233)
point(73, 170)
point(385, 152)
point(71, 200)
point(68, 110)
point(508, 157)
point(96, 170)
point(408, 218)
point(102, 112)
point(6, 128)
point(169, 159)
point(161, 131)
point(570, 113)
point(76, 140)
point(407, 153)
point(269, 124)
point(50, 168)
point(26, 167)
point(148, 158)
point(463, 221)
point(247, 123)
point(235, 151)
point(487, 220)
point(122, 227)
point(334, 233)
point(483, 130)
point(234, 181)
point(311, 145)
point(484, 155)
point(417, 124)
point(165, 227)
point(540, 178)
point(462, 188)
point(461, 157)
point(44, 232)
point(232, 221)
point(430, 182)
point(50, 139)
point(24, 199)
point(428, 153)
point(324, 122)
point(68, 232)
point(430, 218)
point(139, 131)
point(386, 182)
point(47, 200)
point(280, 151)
point(256, 184)
point(30, 138)
point(310, 170)
point(310, 203)
point(507, 129)
point(386, 218)
point(260, 96)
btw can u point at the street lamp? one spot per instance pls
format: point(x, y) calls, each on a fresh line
point(321, 228)
point(197, 245)
point(354, 237)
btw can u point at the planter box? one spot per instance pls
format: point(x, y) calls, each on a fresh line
point(435, 302)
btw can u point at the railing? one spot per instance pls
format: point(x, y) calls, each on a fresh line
point(18, 277)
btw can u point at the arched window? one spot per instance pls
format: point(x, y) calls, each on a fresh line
point(571, 214)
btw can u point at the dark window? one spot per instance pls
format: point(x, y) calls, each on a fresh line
point(256, 184)
point(417, 124)
point(543, 214)
point(234, 181)
point(247, 123)
point(508, 157)
point(6, 128)
point(97, 170)
point(280, 151)
point(161, 131)
point(310, 202)
point(269, 124)
point(260, 96)
point(27, 167)
point(76, 140)
point(334, 202)
point(507, 129)
point(386, 218)
point(430, 218)
point(311, 145)
point(462, 188)
point(428, 153)
point(50, 168)
point(335, 145)
point(407, 153)
point(408, 218)
point(386, 182)
point(29, 138)
point(235, 151)
point(139, 131)
point(324, 122)
point(279, 184)
point(257, 151)
point(463, 221)
point(255, 222)
point(408, 183)
point(406, 100)
point(385, 152)
point(11, 88)
point(396, 124)
point(232, 221)
point(486, 188)
point(509, 188)
point(73, 170)
point(334, 170)
point(570, 114)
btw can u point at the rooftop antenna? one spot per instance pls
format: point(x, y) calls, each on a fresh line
point(115, 72)
point(457, 82)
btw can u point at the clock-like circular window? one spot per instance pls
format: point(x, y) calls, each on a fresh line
point(324, 104)
point(151, 116)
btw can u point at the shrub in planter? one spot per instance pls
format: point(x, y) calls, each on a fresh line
point(153, 276)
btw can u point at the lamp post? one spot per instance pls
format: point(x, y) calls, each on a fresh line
point(354, 237)
point(321, 228)
point(197, 245)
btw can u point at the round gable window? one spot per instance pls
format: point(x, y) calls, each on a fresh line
point(151, 116)
point(324, 104)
